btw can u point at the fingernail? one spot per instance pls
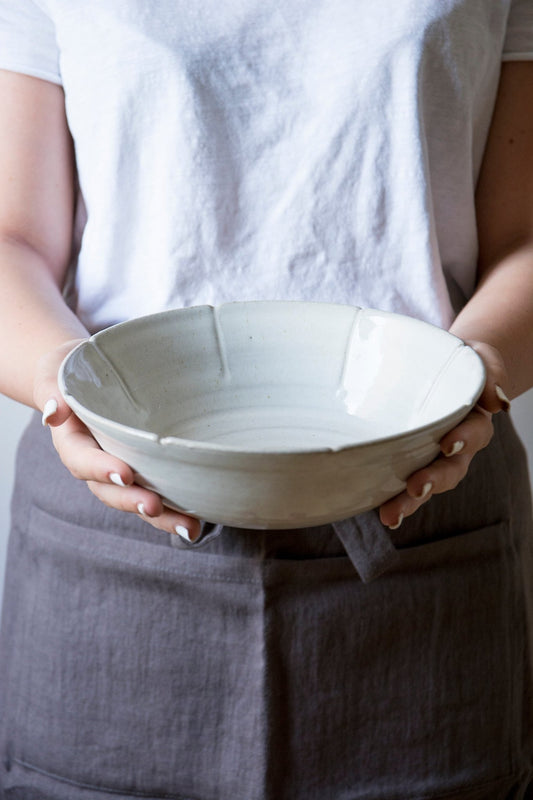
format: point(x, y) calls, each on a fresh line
point(115, 478)
point(185, 533)
point(50, 408)
point(395, 527)
point(143, 512)
point(182, 531)
point(455, 448)
point(426, 488)
point(506, 403)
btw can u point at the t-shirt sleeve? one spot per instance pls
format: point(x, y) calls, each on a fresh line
point(518, 45)
point(28, 40)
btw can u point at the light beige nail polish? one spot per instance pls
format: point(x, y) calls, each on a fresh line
point(182, 531)
point(426, 488)
point(50, 408)
point(506, 403)
point(395, 527)
point(456, 448)
point(115, 478)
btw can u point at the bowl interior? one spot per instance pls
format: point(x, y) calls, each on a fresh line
point(273, 376)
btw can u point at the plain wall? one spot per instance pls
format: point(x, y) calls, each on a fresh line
point(13, 418)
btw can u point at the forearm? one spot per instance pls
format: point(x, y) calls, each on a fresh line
point(500, 313)
point(34, 318)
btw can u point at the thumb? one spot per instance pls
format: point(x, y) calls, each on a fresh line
point(46, 394)
point(493, 397)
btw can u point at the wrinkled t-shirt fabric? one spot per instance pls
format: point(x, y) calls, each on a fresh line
point(263, 150)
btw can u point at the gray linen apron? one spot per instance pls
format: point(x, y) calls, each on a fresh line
point(326, 664)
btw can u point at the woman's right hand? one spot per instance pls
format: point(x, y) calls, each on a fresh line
point(109, 478)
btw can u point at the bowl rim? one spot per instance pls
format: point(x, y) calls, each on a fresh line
point(99, 421)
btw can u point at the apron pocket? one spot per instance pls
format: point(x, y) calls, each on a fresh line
point(139, 671)
point(149, 670)
point(416, 678)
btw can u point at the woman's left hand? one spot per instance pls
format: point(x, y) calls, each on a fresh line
point(458, 447)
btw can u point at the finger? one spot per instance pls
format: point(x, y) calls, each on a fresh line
point(176, 523)
point(46, 394)
point(83, 457)
point(471, 435)
point(443, 474)
point(55, 410)
point(494, 395)
point(458, 447)
point(138, 500)
point(393, 512)
point(111, 480)
point(494, 398)
point(440, 476)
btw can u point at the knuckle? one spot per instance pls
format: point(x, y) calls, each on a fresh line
point(73, 465)
point(458, 477)
point(76, 471)
point(487, 440)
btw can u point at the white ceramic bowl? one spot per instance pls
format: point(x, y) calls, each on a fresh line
point(272, 414)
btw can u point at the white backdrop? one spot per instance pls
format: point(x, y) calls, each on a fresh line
point(13, 417)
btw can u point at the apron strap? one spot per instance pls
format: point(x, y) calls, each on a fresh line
point(368, 544)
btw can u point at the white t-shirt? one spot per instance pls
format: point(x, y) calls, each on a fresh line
point(257, 149)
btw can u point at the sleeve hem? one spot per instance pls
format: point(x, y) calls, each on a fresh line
point(33, 72)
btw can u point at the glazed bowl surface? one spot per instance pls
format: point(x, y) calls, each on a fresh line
point(272, 415)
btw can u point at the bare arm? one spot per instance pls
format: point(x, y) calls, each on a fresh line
point(37, 329)
point(501, 311)
point(498, 319)
point(36, 217)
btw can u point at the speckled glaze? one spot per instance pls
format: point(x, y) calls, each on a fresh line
point(272, 414)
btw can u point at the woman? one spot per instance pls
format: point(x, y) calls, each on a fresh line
point(177, 155)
